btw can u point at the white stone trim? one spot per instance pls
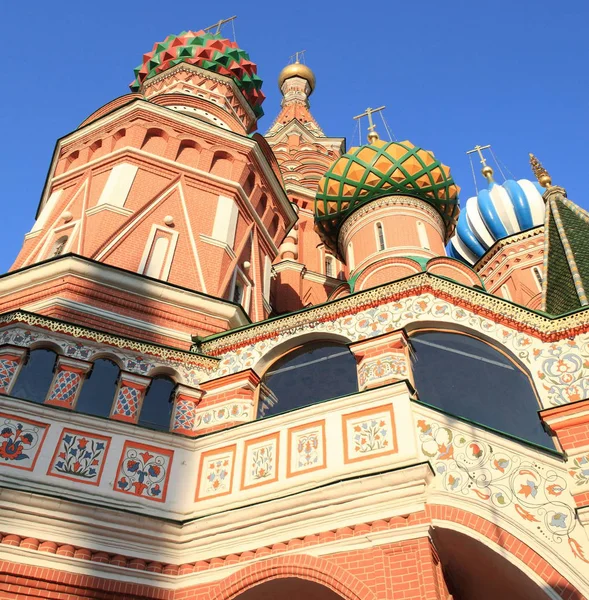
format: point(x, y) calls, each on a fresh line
point(170, 250)
point(207, 239)
point(125, 212)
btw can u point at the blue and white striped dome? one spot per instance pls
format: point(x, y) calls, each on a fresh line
point(496, 213)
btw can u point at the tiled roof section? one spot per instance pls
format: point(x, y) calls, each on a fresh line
point(566, 254)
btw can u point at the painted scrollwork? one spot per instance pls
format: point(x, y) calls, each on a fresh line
point(536, 492)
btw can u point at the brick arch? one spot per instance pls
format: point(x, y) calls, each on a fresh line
point(306, 567)
point(519, 550)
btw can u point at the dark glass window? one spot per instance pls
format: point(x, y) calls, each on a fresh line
point(36, 376)
point(307, 375)
point(99, 388)
point(468, 378)
point(156, 411)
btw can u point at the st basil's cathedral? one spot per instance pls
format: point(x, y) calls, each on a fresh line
point(237, 366)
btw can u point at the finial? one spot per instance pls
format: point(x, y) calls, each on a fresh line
point(372, 135)
point(217, 26)
point(540, 172)
point(487, 171)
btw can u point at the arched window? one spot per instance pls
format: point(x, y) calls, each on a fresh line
point(261, 205)
point(351, 260)
point(380, 241)
point(273, 226)
point(505, 291)
point(156, 411)
point(468, 378)
point(36, 376)
point(98, 390)
point(329, 266)
point(538, 277)
point(422, 233)
point(310, 374)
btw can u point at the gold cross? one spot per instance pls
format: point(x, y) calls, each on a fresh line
point(219, 23)
point(372, 135)
point(297, 56)
point(487, 171)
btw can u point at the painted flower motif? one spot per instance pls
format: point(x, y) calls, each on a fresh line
point(559, 520)
point(529, 489)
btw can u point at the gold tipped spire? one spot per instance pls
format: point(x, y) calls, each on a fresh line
point(540, 172)
point(372, 135)
point(487, 171)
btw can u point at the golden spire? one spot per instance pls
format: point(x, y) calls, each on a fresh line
point(540, 172)
point(372, 135)
point(487, 171)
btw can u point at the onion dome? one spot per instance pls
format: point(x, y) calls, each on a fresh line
point(297, 69)
point(496, 213)
point(208, 51)
point(383, 169)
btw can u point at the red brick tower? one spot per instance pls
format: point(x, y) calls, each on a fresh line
point(163, 182)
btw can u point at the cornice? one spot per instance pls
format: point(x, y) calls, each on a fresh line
point(477, 301)
point(508, 241)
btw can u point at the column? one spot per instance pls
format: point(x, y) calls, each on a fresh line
point(67, 381)
point(382, 360)
point(11, 362)
point(185, 403)
point(129, 397)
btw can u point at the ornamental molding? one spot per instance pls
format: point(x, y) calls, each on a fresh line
point(20, 336)
point(195, 70)
point(478, 302)
point(386, 202)
point(501, 244)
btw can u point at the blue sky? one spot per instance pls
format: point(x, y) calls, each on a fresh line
point(511, 73)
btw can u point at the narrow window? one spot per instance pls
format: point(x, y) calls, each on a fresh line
point(505, 292)
point(156, 410)
point(538, 277)
point(329, 269)
point(351, 259)
point(225, 223)
point(422, 233)
point(36, 376)
point(99, 388)
point(267, 278)
point(59, 246)
point(159, 253)
point(380, 242)
point(238, 292)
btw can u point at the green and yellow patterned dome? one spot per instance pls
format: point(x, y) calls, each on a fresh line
point(383, 169)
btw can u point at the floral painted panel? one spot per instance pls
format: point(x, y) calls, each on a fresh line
point(260, 464)
point(369, 433)
point(144, 471)
point(20, 441)
point(79, 456)
point(533, 494)
point(306, 448)
point(216, 472)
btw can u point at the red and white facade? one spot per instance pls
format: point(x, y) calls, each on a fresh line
point(165, 240)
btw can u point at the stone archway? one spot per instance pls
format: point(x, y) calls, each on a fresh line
point(292, 588)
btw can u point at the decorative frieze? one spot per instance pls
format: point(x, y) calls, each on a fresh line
point(21, 441)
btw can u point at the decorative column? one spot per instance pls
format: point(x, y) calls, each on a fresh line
point(228, 400)
point(185, 403)
point(67, 381)
point(382, 360)
point(129, 398)
point(11, 361)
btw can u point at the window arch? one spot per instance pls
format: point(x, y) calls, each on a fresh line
point(156, 410)
point(34, 379)
point(422, 234)
point(307, 375)
point(469, 378)
point(538, 277)
point(98, 390)
point(380, 241)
